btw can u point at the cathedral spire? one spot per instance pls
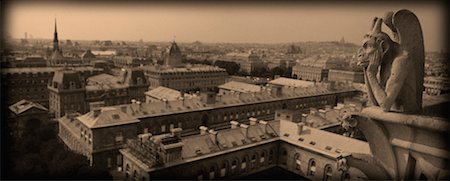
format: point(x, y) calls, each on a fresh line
point(55, 39)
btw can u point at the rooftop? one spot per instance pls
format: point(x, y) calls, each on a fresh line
point(240, 87)
point(213, 143)
point(25, 105)
point(154, 109)
point(45, 69)
point(190, 68)
point(105, 82)
point(291, 82)
point(106, 117)
point(164, 93)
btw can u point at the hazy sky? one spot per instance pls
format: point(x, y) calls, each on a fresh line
point(214, 22)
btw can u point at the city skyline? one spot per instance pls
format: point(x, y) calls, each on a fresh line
point(213, 22)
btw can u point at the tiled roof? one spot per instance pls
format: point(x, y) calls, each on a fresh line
point(164, 93)
point(106, 117)
point(240, 87)
point(321, 141)
point(105, 81)
point(291, 82)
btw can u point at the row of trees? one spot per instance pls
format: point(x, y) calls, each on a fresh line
point(233, 68)
point(39, 154)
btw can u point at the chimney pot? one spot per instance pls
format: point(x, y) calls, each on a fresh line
point(234, 124)
point(300, 128)
point(253, 120)
point(203, 130)
point(244, 129)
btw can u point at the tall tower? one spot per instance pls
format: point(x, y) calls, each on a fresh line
point(55, 39)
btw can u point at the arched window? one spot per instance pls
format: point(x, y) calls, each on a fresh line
point(345, 176)
point(328, 173)
point(223, 169)
point(127, 171)
point(263, 157)
point(311, 167)
point(297, 161)
point(234, 166)
point(253, 161)
point(200, 175)
point(244, 164)
point(135, 175)
point(212, 172)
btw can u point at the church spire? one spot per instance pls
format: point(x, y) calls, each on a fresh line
point(55, 39)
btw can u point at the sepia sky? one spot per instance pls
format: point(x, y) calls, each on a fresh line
point(214, 22)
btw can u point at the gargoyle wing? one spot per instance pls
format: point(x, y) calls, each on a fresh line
point(410, 38)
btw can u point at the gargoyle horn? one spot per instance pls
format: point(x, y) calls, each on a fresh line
point(376, 28)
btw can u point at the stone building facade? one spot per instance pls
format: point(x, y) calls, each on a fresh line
point(98, 135)
point(69, 92)
point(31, 83)
point(189, 78)
point(309, 73)
point(345, 76)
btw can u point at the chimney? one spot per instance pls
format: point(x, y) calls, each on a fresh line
point(322, 113)
point(253, 120)
point(300, 128)
point(275, 90)
point(208, 97)
point(234, 124)
point(264, 123)
point(203, 130)
point(176, 132)
point(97, 112)
point(166, 103)
point(213, 136)
point(304, 116)
point(244, 129)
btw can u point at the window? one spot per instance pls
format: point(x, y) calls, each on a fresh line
point(270, 156)
point(328, 173)
point(200, 175)
point(212, 172)
point(127, 171)
point(109, 162)
point(346, 176)
point(135, 175)
point(262, 158)
point(119, 138)
point(284, 156)
point(244, 164)
point(180, 125)
point(223, 170)
point(297, 161)
point(253, 161)
point(163, 128)
point(233, 166)
point(311, 167)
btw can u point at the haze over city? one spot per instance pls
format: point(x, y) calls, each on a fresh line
point(213, 22)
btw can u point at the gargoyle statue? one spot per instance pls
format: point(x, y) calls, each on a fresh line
point(394, 68)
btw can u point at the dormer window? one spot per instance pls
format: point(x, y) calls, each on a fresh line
point(139, 80)
point(72, 85)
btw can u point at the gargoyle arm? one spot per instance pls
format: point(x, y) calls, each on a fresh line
point(394, 84)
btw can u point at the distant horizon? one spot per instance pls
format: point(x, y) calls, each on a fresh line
point(248, 23)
